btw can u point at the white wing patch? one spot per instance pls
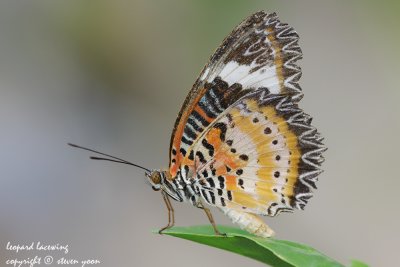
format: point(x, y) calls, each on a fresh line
point(267, 77)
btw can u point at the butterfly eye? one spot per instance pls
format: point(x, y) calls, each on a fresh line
point(155, 188)
point(155, 177)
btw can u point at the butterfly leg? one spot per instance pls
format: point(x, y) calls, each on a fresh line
point(210, 218)
point(171, 216)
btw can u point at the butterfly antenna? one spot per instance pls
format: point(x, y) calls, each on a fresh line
point(111, 158)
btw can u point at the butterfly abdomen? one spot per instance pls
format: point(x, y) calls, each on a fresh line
point(249, 222)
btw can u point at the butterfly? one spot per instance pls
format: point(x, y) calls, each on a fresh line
point(240, 142)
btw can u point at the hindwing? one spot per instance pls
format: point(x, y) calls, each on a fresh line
point(261, 155)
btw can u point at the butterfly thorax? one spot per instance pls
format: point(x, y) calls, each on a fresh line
point(180, 188)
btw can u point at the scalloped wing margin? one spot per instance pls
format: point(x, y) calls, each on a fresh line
point(309, 142)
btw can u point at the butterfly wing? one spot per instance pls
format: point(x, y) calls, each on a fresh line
point(261, 52)
point(261, 155)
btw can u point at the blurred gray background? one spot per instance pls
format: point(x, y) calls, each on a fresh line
point(112, 75)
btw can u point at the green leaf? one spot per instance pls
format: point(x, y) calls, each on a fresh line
point(357, 263)
point(270, 251)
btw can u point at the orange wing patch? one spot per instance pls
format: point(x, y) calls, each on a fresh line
point(176, 139)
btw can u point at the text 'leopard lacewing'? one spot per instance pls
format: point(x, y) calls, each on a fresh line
point(240, 142)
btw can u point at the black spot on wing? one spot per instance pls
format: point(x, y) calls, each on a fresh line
point(198, 117)
point(223, 128)
point(186, 141)
point(223, 202)
point(229, 193)
point(211, 182)
point(208, 146)
point(194, 125)
point(183, 151)
point(221, 180)
point(220, 192)
point(212, 197)
point(244, 157)
point(240, 183)
point(201, 157)
point(191, 155)
point(189, 133)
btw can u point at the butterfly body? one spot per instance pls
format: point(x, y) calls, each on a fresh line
point(240, 142)
point(178, 188)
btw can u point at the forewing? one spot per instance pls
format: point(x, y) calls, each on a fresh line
point(261, 155)
point(260, 53)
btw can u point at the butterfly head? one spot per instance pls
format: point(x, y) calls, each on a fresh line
point(155, 178)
